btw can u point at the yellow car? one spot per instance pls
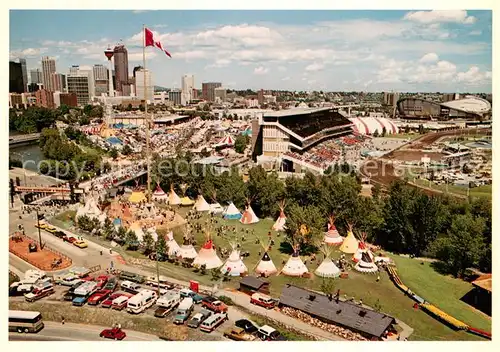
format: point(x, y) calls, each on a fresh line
point(50, 229)
point(42, 225)
point(80, 244)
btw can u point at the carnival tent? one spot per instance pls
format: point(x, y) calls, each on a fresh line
point(231, 212)
point(350, 244)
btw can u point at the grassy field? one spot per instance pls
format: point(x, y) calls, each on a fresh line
point(482, 191)
point(443, 291)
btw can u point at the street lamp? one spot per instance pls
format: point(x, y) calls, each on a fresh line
point(22, 161)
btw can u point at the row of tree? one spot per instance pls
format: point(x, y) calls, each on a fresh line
point(405, 220)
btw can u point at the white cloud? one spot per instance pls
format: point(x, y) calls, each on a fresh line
point(27, 53)
point(160, 26)
point(440, 16)
point(430, 57)
point(314, 67)
point(474, 75)
point(261, 70)
point(244, 34)
point(220, 63)
point(136, 56)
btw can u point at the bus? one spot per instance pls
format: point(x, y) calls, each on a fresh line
point(25, 321)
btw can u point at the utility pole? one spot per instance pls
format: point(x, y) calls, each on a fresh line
point(39, 231)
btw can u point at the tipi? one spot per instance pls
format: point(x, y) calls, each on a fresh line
point(207, 255)
point(187, 251)
point(350, 244)
point(294, 266)
point(136, 227)
point(332, 236)
point(91, 210)
point(173, 246)
point(159, 194)
point(201, 204)
point(266, 266)
point(234, 265)
point(231, 212)
point(249, 216)
point(173, 198)
point(186, 201)
point(364, 258)
point(279, 225)
point(215, 207)
point(327, 268)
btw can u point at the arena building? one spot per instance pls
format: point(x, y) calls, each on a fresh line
point(370, 125)
point(468, 108)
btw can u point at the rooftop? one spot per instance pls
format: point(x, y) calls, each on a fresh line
point(292, 112)
point(484, 282)
point(469, 104)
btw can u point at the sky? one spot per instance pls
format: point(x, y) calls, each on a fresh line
point(329, 50)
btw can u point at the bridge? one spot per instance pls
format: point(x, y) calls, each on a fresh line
point(24, 138)
point(28, 189)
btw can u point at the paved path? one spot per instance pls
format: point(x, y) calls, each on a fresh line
point(76, 332)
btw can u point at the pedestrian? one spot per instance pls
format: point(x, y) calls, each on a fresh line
point(378, 278)
point(62, 320)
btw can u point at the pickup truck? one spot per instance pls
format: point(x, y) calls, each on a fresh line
point(39, 292)
point(125, 275)
point(109, 301)
point(111, 284)
point(214, 305)
point(79, 300)
point(238, 334)
point(162, 312)
point(198, 318)
point(186, 292)
point(98, 297)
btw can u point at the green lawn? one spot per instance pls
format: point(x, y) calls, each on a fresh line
point(482, 191)
point(440, 290)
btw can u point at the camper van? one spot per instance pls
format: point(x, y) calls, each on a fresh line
point(83, 292)
point(169, 300)
point(141, 301)
point(213, 322)
point(42, 289)
point(31, 278)
point(130, 286)
point(120, 302)
point(184, 310)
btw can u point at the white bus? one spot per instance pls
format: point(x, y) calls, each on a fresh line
point(141, 301)
point(25, 321)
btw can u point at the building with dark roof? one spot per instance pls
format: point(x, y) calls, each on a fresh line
point(362, 320)
point(15, 77)
point(468, 108)
point(252, 284)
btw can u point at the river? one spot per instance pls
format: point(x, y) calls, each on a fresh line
point(31, 154)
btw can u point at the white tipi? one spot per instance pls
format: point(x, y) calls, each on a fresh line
point(201, 204)
point(215, 207)
point(279, 225)
point(234, 264)
point(207, 255)
point(173, 198)
point(327, 268)
point(249, 216)
point(159, 194)
point(231, 212)
point(332, 236)
point(173, 246)
point(266, 266)
point(364, 258)
point(294, 266)
point(187, 251)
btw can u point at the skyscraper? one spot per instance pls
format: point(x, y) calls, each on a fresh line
point(81, 82)
point(139, 85)
point(208, 90)
point(187, 89)
point(100, 72)
point(48, 68)
point(101, 80)
point(36, 76)
point(58, 81)
point(15, 77)
point(175, 96)
point(25, 74)
point(121, 66)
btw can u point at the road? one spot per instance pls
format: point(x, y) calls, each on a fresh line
point(75, 332)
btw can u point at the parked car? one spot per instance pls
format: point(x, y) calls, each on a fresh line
point(120, 302)
point(162, 312)
point(39, 292)
point(238, 334)
point(213, 322)
point(262, 300)
point(184, 310)
point(213, 304)
point(198, 318)
point(69, 239)
point(130, 286)
point(70, 294)
point(114, 333)
point(186, 292)
point(247, 325)
point(50, 229)
point(125, 275)
point(80, 244)
point(41, 226)
point(111, 284)
point(59, 234)
point(109, 300)
point(98, 297)
point(268, 333)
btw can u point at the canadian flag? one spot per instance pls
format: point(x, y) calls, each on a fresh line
point(150, 41)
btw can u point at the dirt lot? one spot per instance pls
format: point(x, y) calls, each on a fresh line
point(410, 155)
point(42, 259)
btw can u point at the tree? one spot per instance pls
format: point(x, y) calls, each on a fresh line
point(215, 274)
point(108, 229)
point(161, 245)
point(240, 144)
point(148, 243)
point(113, 153)
point(127, 150)
point(304, 226)
point(461, 247)
point(328, 286)
point(131, 240)
point(121, 235)
point(87, 109)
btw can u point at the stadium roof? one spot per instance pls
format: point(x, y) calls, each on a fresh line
point(292, 112)
point(469, 104)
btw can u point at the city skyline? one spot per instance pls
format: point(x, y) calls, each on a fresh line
point(334, 50)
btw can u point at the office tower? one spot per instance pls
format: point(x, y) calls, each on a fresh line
point(120, 55)
point(260, 96)
point(100, 72)
point(220, 94)
point(58, 81)
point(73, 70)
point(81, 83)
point(101, 85)
point(48, 68)
point(25, 73)
point(36, 76)
point(175, 96)
point(187, 89)
point(15, 77)
point(44, 98)
point(208, 90)
point(139, 85)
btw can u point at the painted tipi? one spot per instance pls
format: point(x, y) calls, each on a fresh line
point(207, 255)
point(201, 204)
point(231, 212)
point(350, 244)
point(279, 224)
point(249, 216)
point(332, 236)
point(173, 198)
point(266, 266)
point(234, 264)
point(327, 268)
point(294, 266)
point(364, 257)
point(187, 251)
point(159, 194)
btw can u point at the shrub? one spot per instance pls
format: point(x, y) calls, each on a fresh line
point(228, 301)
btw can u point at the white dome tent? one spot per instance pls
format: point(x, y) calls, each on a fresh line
point(327, 268)
point(332, 236)
point(234, 264)
point(294, 266)
point(364, 258)
point(207, 255)
point(279, 225)
point(201, 204)
point(231, 212)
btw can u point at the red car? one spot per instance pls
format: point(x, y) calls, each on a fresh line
point(108, 301)
point(98, 297)
point(213, 304)
point(114, 333)
point(69, 239)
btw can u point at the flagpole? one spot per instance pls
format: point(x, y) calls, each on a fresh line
point(147, 119)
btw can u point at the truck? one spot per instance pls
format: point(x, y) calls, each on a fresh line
point(130, 286)
point(26, 285)
point(184, 310)
point(120, 302)
point(213, 304)
point(125, 275)
point(98, 296)
point(41, 290)
point(83, 292)
point(141, 301)
point(169, 300)
point(238, 334)
point(70, 294)
point(186, 292)
point(109, 300)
